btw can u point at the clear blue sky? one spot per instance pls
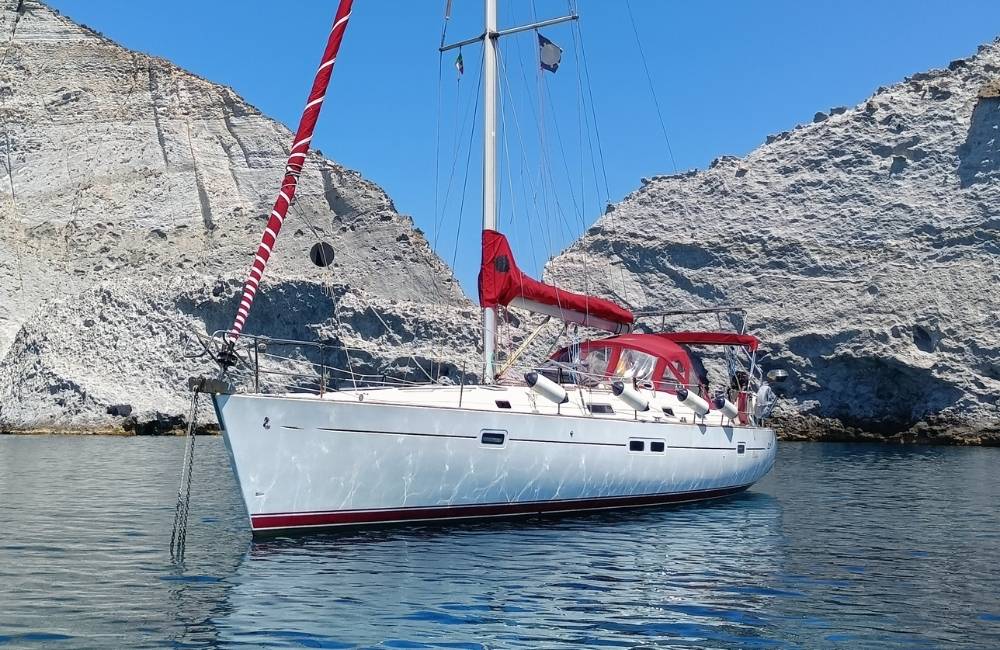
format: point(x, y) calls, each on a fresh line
point(726, 73)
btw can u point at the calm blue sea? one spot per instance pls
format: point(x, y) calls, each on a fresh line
point(841, 546)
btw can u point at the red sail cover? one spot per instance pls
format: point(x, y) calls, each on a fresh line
point(502, 283)
point(296, 159)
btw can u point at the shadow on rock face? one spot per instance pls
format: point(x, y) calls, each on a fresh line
point(879, 395)
point(979, 155)
point(288, 309)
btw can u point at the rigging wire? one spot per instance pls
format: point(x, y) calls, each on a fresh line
point(437, 147)
point(456, 146)
point(546, 168)
point(437, 135)
point(578, 41)
point(577, 210)
point(439, 211)
point(468, 162)
point(583, 126)
point(368, 305)
point(545, 232)
point(549, 193)
point(437, 129)
point(649, 81)
point(541, 192)
point(526, 180)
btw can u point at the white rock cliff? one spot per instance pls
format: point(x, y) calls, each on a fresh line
point(132, 196)
point(132, 193)
point(865, 245)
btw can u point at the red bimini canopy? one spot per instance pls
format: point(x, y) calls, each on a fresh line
point(712, 338)
point(672, 365)
point(502, 283)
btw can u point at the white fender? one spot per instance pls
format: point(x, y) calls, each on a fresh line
point(630, 396)
point(692, 401)
point(547, 388)
point(727, 408)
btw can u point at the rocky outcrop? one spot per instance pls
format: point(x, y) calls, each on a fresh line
point(866, 246)
point(132, 196)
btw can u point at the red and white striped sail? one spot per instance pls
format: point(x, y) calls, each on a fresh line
point(296, 159)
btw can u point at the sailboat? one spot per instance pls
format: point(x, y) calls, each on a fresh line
point(622, 420)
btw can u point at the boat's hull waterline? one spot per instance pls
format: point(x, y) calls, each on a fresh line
point(305, 462)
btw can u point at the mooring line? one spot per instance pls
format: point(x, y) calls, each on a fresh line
point(178, 537)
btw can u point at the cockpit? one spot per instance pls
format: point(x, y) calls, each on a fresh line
point(661, 361)
point(647, 359)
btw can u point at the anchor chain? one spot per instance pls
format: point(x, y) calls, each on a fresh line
point(179, 536)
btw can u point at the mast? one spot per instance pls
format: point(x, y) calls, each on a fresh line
point(490, 38)
point(490, 172)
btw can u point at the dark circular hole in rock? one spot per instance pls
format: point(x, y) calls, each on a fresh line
point(321, 254)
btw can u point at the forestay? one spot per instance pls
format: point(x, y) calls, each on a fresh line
point(293, 167)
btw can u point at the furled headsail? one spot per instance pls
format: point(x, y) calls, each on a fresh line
point(296, 160)
point(501, 283)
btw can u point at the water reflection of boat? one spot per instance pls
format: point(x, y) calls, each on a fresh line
point(691, 572)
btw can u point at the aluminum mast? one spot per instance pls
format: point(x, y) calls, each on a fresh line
point(490, 172)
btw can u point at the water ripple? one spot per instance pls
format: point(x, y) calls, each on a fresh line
point(857, 546)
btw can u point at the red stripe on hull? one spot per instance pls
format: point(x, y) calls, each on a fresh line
point(287, 521)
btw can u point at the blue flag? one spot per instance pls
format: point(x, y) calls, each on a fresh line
point(549, 54)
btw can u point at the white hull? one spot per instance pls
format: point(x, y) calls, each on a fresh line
point(366, 457)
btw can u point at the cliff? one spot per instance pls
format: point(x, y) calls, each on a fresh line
point(865, 245)
point(132, 194)
point(132, 197)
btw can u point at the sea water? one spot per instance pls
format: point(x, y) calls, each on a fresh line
point(841, 546)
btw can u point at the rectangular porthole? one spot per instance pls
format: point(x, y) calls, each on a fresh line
point(493, 437)
point(604, 409)
point(658, 446)
point(636, 445)
point(668, 411)
point(503, 404)
point(741, 448)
